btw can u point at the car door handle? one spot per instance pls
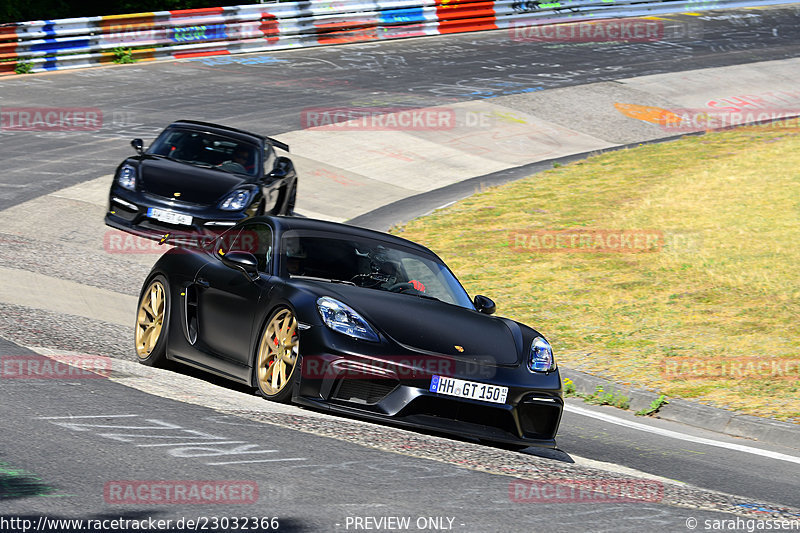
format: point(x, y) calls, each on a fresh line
point(202, 282)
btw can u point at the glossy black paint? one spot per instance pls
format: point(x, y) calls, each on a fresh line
point(220, 307)
point(196, 191)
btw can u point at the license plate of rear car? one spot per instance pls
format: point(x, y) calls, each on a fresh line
point(170, 217)
point(469, 389)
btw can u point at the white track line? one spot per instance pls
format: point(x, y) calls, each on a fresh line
point(260, 461)
point(682, 436)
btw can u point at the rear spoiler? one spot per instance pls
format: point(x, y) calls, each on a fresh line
point(278, 144)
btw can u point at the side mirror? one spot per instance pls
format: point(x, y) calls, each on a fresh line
point(244, 261)
point(283, 168)
point(138, 145)
point(484, 304)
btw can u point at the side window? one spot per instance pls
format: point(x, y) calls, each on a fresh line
point(269, 158)
point(255, 238)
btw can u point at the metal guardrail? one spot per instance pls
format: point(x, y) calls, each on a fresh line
point(81, 42)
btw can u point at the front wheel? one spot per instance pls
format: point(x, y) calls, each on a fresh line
point(277, 357)
point(152, 322)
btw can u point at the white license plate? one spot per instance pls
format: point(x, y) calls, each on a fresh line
point(469, 389)
point(170, 217)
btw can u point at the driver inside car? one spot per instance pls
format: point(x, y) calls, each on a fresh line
point(295, 257)
point(241, 157)
point(394, 277)
point(190, 149)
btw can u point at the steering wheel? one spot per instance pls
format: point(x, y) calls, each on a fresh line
point(400, 287)
point(232, 166)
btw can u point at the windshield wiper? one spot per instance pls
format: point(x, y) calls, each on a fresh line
point(314, 278)
point(192, 162)
point(419, 295)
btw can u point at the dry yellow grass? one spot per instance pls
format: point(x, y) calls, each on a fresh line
point(725, 284)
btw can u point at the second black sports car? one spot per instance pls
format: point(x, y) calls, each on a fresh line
point(354, 321)
point(200, 178)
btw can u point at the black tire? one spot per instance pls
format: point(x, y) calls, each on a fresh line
point(152, 322)
point(277, 354)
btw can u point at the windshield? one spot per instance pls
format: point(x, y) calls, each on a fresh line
point(208, 150)
point(370, 264)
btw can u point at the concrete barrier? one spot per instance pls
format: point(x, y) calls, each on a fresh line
point(45, 45)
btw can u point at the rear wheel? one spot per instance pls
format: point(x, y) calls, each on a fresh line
point(151, 322)
point(277, 356)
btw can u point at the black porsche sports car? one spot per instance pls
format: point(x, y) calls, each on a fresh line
point(354, 321)
point(200, 178)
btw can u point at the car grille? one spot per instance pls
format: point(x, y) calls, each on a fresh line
point(539, 417)
point(158, 226)
point(485, 417)
point(365, 391)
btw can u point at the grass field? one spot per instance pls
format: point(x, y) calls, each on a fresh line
point(691, 312)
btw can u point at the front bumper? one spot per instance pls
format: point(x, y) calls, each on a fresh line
point(127, 211)
point(375, 381)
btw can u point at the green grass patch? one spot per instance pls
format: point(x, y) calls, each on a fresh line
point(23, 67)
point(654, 406)
point(723, 282)
point(123, 55)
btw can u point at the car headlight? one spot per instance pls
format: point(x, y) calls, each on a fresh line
point(341, 318)
point(541, 358)
point(127, 177)
point(236, 201)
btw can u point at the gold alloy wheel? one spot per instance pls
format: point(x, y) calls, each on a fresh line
point(277, 353)
point(150, 319)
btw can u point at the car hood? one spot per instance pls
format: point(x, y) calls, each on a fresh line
point(196, 185)
point(427, 325)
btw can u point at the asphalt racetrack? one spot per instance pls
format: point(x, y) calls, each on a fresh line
point(69, 447)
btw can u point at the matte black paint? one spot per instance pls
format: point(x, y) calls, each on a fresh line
point(201, 189)
point(417, 339)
